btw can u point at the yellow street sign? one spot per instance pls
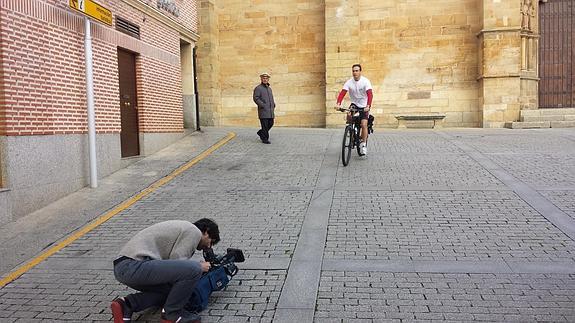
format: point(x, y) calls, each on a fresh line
point(93, 10)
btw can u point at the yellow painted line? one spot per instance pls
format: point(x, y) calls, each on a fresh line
point(97, 222)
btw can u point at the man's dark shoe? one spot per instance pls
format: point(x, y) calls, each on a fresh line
point(266, 142)
point(121, 312)
point(185, 318)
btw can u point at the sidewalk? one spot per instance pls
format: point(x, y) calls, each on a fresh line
point(452, 225)
point(26, 237)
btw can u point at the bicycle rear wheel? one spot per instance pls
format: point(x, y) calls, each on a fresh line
point(347, 145)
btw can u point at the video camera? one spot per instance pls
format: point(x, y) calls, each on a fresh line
point(222, 269)
point(226, 261)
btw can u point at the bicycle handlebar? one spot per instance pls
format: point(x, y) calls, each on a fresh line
point(352, 108)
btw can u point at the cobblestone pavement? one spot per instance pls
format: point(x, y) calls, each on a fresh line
point(454, 225)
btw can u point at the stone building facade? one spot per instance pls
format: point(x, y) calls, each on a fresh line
point(473, 60)
point(143, 85)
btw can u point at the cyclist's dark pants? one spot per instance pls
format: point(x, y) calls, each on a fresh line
point(267, 124)
point(364, 115)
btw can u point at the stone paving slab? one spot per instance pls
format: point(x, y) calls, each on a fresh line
point(265, 225)
point(59, 295)
point(542, 161)
point(242, 173)
point(429, 227)
point(539, 203)
point(84, 295)
point(541, 171)
point(293, 160)
point(563, 200)
point(378, 297)
point(453, 266)
point(415, 143)
point(418, 161)
point(516, 142)
point(427, 171)
point(252, 296)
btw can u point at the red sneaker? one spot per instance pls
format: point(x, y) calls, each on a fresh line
point(121, 312)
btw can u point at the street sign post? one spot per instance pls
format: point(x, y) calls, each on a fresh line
point(93, 9)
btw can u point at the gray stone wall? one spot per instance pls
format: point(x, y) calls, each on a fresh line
point(5, 210)
point(41, 169)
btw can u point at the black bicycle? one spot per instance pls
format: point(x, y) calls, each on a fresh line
point(351, 136)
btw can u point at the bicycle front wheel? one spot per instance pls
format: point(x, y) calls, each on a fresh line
point(347, 145)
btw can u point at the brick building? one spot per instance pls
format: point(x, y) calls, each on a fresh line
point(143, 92)
point(475, 61)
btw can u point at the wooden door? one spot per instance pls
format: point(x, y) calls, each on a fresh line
point(556, 54)
point(129, 137)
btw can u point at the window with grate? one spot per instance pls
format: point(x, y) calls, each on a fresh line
point(127, 27)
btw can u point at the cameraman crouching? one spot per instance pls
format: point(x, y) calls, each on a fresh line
point(156, 262)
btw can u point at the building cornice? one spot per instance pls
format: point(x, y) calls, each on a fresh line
point(499, 30)
point(185, 33)
point(530, 35)
point(482, 77)
point(531, 78)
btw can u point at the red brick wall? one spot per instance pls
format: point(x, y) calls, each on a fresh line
point(152, 31)
point(160, 109)
point(42, 55)
point(2, 99)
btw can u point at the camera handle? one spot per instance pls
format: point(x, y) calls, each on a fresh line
point(231, 269)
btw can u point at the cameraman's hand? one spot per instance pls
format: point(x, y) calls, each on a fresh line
point(205, 266)
point(367, 108)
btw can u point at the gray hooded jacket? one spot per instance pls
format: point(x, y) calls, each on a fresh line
point(173, 239)
point(264, 98)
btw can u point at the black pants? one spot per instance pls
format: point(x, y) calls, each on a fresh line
point(162, 283)
point(264, 132)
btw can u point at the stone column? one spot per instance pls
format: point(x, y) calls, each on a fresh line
point(208, 65)
point(507, 67)
point(530, 55)
point(342, 50)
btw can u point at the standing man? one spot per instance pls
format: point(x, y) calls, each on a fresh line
point(156, 262)
point(361, 93)
point(264, 98)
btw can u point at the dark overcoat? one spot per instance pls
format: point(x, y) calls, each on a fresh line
point(264, 98)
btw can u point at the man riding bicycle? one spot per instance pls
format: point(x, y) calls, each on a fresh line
point(361, 94)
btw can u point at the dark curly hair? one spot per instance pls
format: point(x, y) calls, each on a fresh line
point(209, 226)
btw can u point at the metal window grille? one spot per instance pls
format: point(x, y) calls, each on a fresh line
point(127, 27)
